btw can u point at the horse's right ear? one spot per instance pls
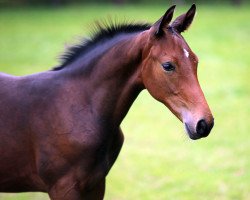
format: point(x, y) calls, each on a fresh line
point(163, 22)
point(183, 22)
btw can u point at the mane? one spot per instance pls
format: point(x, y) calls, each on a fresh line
point(101, 31)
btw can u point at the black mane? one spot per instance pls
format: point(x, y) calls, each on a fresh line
point(101, 31)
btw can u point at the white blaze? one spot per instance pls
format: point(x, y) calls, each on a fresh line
point(186, 53)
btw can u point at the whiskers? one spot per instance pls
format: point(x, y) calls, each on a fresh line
point(183, 135)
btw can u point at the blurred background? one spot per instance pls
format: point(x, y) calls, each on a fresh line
point(157, 161)
point(119, 2)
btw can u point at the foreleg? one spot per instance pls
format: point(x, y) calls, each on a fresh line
point(65, 191)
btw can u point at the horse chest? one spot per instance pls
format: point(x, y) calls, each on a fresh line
point(105, 150)
point(106, 156)
point(89, 153)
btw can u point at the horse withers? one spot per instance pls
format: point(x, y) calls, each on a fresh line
point(60, 129)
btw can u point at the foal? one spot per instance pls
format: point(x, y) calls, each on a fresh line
point(60, 130)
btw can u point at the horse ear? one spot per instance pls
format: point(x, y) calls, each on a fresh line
point(183, 22)
point(163, 22)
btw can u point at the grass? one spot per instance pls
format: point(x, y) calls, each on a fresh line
point(157, 160)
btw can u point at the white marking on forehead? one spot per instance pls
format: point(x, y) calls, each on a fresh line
point(186, 53)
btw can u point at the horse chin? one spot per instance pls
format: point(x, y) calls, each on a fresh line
point(191, 133)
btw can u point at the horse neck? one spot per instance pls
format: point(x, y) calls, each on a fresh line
point(113, 83)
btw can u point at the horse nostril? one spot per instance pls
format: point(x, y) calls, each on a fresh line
point(202, 128)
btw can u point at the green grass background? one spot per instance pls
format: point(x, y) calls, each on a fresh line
point(157, 161)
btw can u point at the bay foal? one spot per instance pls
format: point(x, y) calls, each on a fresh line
point(60, 130)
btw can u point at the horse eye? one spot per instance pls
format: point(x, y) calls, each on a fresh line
point(168, 66)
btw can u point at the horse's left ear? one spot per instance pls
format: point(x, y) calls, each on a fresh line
point(182, 23)
point(163, 22)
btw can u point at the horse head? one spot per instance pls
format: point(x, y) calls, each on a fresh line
point(169, 72)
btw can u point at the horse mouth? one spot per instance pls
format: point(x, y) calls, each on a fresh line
point(192, 134)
